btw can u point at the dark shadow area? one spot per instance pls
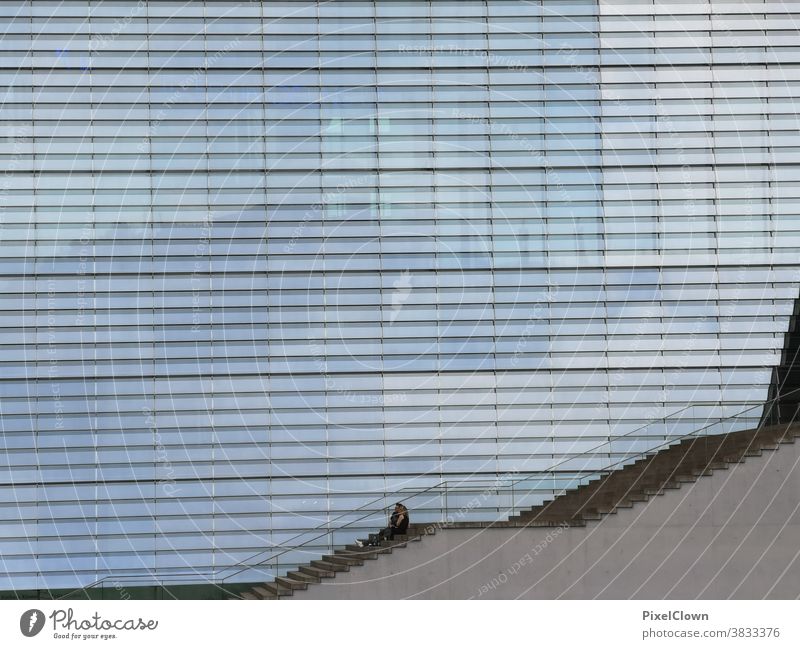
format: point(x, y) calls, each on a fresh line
point(110, 592)
point(784, 389)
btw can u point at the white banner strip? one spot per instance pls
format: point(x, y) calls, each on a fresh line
point(331, 625)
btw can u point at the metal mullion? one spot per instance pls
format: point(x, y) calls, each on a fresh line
point(153, 411)
point(379, 215)
point(435, 214)
point(492, 215)
point(268, 437)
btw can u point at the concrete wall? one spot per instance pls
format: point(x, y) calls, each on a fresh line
point(735, 534)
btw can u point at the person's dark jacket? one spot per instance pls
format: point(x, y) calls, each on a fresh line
point(399, 528)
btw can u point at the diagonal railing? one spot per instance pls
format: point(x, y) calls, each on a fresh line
point(441, 490)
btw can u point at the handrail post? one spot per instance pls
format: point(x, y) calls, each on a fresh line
point(513, 500)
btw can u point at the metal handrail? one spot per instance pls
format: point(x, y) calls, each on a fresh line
point(327, 523)
point(668, 442)
point(439, 487)
point(245, 564)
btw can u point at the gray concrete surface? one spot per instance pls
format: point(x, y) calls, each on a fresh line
point(735, 534)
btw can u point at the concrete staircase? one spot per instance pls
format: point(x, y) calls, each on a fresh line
point(646, 478)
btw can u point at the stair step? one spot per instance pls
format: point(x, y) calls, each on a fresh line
point(421, 530)
point(389, 546)
point(346, 560)
point(270, 591)
point(367, 552)
point(330, 566)
point(291, 584)
point(298, 575)
point(320, 573)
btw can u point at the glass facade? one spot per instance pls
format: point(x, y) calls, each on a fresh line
point(266, 261)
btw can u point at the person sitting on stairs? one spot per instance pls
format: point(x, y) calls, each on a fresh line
point(398, 524)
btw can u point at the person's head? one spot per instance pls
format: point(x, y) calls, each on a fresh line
point(400, 508)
